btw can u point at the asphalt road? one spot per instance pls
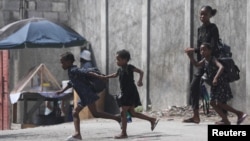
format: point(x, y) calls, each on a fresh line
point(105, 130)
point(168, 129)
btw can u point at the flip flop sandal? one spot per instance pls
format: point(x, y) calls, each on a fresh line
point(219, 123)
point(240, 120)
point(190, 120)
point(156, 122)
point(121, 137)
point(222, 123)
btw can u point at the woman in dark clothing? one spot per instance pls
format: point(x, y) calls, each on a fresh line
point(207, 32)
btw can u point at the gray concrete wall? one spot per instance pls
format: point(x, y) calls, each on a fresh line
point(154, 31)
point(247, 63)
point(146, 28)
point(168, 65)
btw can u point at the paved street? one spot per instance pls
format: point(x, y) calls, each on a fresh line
point(105, 130)
point(169, 128)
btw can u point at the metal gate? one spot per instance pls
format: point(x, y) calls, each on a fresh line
point(4, 91)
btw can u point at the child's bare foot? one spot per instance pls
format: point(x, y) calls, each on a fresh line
point(192, 120)
point(241, 118)
point(219, 122)
point(121, 136)
point(74, 137)
point(154, 123)
point(222, 122)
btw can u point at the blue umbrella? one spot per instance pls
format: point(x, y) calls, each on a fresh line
point(38, 33)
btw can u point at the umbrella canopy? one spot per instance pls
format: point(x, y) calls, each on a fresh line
point(38, 33)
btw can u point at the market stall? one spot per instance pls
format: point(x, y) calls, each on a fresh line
point(31, 93)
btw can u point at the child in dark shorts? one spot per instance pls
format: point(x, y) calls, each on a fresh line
point(77, 77)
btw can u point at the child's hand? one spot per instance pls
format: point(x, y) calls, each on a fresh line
point(99, 76)
point(139, 83)
point(102, 77)
point(190, 54)
point(59, 92)
point(189, 50)
point(215, 82)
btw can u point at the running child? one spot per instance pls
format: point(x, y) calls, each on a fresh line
point(129, 96)
point(77, 77)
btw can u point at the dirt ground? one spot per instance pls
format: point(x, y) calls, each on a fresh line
point(181, 113)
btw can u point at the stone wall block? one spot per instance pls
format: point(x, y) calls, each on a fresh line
point(59, 7)
point(32, 5)
point(44, 5)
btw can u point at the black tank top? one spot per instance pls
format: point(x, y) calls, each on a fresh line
point(209, 34)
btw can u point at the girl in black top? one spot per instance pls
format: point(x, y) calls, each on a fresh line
point(129, 97)
point(207, 32)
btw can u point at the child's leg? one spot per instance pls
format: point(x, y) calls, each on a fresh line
point(123, 134)
point(221, 121)
point(97, 114)
point(241, 116)
point(48, 105)
point(152, 120)
point(231, 109)
point(218, 109)
point(48, 108)
point(76, 120)
point(225, 112)
point(62, 108)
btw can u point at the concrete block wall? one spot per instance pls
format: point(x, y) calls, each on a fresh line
point(51, 9)
point(152, 35)
point(22, 60)
point(156, 33)
point(168, 65)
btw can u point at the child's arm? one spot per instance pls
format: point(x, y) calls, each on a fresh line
point(113, 75)
point(93, 74)
point(100, 76)
point(139, 83)
point(64, 89)
point(189, 50)
point(219, 72)
point(193, 61)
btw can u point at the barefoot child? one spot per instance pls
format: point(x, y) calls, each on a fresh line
point(77, 77)
point(220, 88)
point(129, 98)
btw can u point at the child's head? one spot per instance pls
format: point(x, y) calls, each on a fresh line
point(122, 57)
point(206, 12)
point(205, 49)
point(67, 60)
